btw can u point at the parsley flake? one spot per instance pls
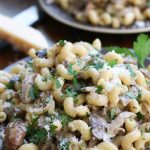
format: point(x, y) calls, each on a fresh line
point(65, 119)
point(112, 63)
point(74, 74)
point(128, 66)
point(58, 84)
point(62, 42)
point(52, 129)
point(140, 116)
point(33, 92)
point(99, 89)
point(64, 144)
point(112, 113)
point(70, 92)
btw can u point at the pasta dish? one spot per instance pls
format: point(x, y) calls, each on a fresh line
point(73, 97)
point(109, 13)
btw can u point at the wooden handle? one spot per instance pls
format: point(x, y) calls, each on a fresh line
point(23, 37)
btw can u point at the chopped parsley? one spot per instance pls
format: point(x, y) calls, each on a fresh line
point(99, 89)
point(34, 134)
point(64, 144)
point(134, 95)
point(65, 119)
point(71, 92)
point(30, 63)
point(111, 113)
point(52, 129)
point(79, 62)
point(12, 82)
point(139, 95)
point(140, 116)
point(96, 65)
point(112, 63)
point(58, 84)
point(128, 66)
point(33, 92)
point(74, 74)
point(62, 42)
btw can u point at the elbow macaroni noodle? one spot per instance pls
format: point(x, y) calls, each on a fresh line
point(60, 89)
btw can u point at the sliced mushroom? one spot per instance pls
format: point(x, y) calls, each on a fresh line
point(130, 60)
point(14, 135)
point(2, 130)
point(146, 73)
point(26, 85)
point(11, 110)
point(112, 128)
point(46, 146)
point(45, 103)
point(99, 126)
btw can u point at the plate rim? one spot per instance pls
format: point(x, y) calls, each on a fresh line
point(90, 28)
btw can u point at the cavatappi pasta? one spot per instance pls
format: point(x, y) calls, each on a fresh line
point(112, 13)
point(72, 97)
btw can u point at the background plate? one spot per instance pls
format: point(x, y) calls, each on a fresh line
point(8, 68)
point(60, 15)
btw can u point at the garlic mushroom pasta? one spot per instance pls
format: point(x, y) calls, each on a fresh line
point(110, 13)
point(72, 97)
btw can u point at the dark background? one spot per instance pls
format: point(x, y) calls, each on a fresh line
point(54, 31)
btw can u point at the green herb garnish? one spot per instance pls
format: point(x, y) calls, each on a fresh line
point(64, 144)
point(52, 129)
point(74, 74)
point(62, 42)
point(33, 92)
point(142, 48)
point(64, 118)
point(34, 134)
point(140, 116)
point(99, 89)
point(97, 65)
point(134, 95)
point(70, 92)
point(58, 84)
point(128, 66)
point(112, 63)
point(12, 82)
point(111, 113)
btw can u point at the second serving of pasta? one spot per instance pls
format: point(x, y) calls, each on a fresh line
point(110, 13)
point(71, 97)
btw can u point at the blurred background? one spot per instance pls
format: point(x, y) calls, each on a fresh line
point(53, 31)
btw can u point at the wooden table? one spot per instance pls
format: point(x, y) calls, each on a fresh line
point(54, 31)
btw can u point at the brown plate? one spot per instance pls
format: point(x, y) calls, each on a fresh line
point(62, 16)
